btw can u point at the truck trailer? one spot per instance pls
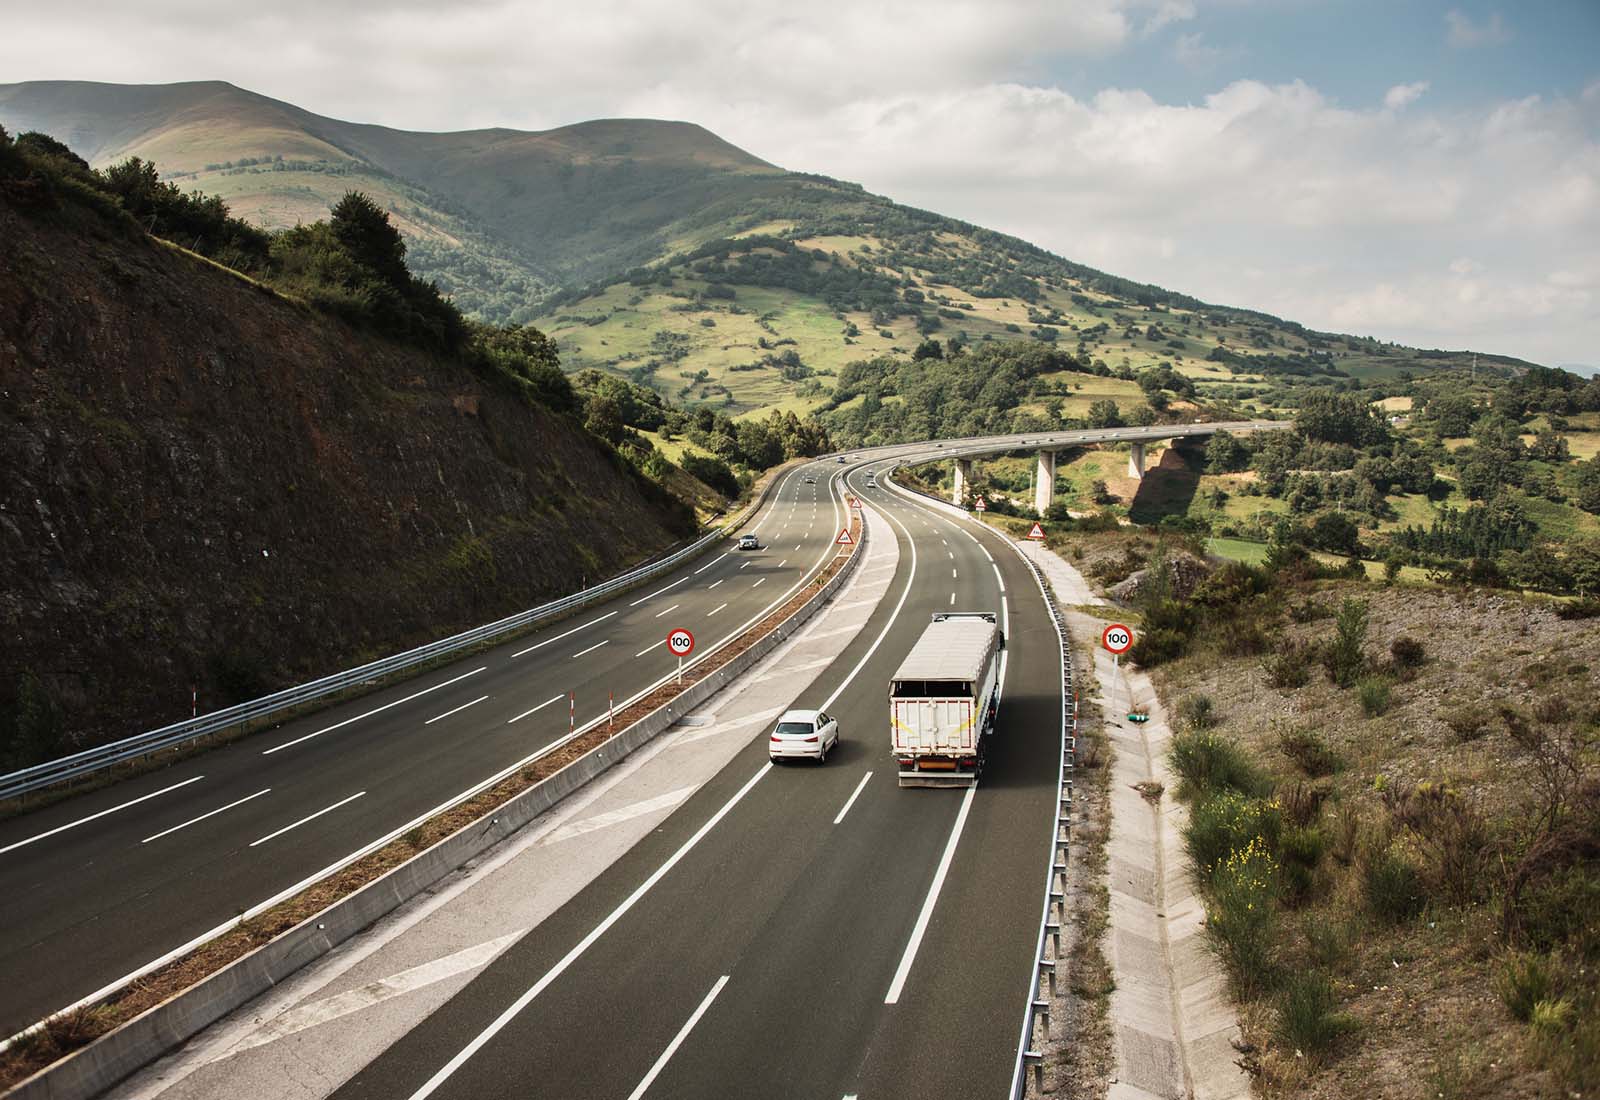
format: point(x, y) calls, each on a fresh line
point(944, 699)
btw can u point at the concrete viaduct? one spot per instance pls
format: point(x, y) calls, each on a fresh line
point(1048, 445)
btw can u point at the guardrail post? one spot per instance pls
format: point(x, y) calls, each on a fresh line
point(1047, 968)
point(1035, 1060)
point(1041, 1010)
point(1052, 928)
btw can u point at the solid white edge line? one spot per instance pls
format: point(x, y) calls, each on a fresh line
point(565, 634)
point(370, 713)
point(457, 710)
point(591, 649)
point(668, 611)
point(851, 801)
point(677, 1040)
point(541, 706)
point(999, 579)
point(647, 649)
point(899, 984)
point(102, 813)
point(584, 944)
point(309, 817)
point(202, 817)
point(658, 592)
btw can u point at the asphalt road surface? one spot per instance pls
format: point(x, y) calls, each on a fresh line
point(96, 886)
point(797, 930)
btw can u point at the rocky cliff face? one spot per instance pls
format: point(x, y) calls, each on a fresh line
point(204, 484)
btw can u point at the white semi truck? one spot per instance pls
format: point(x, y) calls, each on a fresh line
point(944, 699)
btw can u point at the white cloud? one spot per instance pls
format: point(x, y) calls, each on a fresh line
point(1270, 196)
point(1463, 33)
point(1402, 94)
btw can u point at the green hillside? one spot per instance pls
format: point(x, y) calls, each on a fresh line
point(658, 251)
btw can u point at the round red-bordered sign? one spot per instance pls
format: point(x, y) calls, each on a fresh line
point(681, 642)
point(1117, 638)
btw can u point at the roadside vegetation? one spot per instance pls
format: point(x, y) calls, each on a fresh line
point(1395, 817)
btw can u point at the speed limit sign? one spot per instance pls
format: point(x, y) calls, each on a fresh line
point(1117, 638)
point(681, 642)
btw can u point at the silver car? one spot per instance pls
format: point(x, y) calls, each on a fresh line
point(807, 734)
point(749, 542)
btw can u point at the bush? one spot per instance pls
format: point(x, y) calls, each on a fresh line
point(1241, 919)
point(713, 472)
point(1309, 611)
point(1587, 608)
point(1300, 850)
point(1467, 721)
point(1407, 654)
point(1392, 887)
point(1309, 752)
point(1328, 941)
point(1197, 712)
point(1227, 823)
point(1206, 764)
point(1524, 980)
point(1374, 692)
point(1289, 667)
point(1306, 1020)
point(1343, 657)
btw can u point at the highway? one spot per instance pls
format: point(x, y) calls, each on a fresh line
point(795, 930)
point(96, 886)
point(788, 931)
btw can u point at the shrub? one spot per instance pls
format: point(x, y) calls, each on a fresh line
point(1197, 712)
point(1302, 802)
point(1408, 655)
point(1238, 636)
point(1300, 850)
point(1586, 608)
point(1467, 721)
point(1309, 611)
point(1306, 1019)
point(1290, 666)
point(1522, 982)
point(1241, 920)
point(1227, 823)
point(1328, 941)
point(1392, 887)
point(1374, 692)
point(1207, 764)
point(1309, 752)
point(1343, 657)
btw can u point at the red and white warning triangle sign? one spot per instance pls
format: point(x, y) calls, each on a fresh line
point(844, 538)
point(1036, 532)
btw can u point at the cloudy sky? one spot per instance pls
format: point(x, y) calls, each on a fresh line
point(1419, 171)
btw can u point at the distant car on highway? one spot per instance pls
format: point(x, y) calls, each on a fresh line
point(809, 480)
point(872, 482)
point(840, 460)
point(805, 734)
point(749, 542)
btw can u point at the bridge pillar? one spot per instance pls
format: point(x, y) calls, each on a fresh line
point(962, 480)
point(1044, 482)
point(1136, 462)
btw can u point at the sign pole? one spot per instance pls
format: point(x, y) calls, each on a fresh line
point(680, 670)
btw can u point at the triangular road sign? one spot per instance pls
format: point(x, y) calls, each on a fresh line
point(844, 538)
point(1036, 532)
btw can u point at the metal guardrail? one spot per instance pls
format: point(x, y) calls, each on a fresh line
point(92, 760)
point(1029, 1056)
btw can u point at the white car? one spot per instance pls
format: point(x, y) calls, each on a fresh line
point(749, 542)
point(803, 733)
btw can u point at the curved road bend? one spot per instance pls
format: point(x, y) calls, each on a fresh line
point(97, 886)
point(796, 931)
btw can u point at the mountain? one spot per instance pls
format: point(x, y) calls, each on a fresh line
point(658, 251)
point(211, 485)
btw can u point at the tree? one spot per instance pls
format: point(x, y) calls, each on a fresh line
point(1345, 659)
point(1452, 414)
point(1105, 414)
point(1340, 418)
point(1225, 454)
point(603, 417)
point(362, 226)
